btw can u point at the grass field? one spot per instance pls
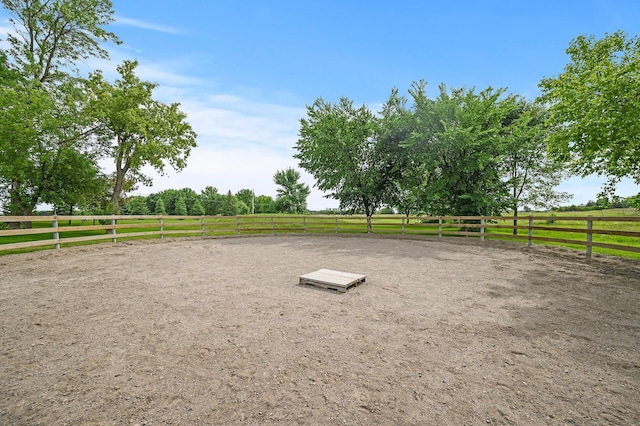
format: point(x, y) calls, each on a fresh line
point(381, 224)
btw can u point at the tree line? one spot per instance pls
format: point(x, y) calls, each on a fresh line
point(473, 153)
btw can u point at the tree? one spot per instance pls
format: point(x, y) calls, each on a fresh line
point(264, 204)
point(229, 206)
point(137, 130)
point(247, 197)
point(408, 176)
point(39, 119)
point(338, 147)
point(197, 209)
point(531, 175)
point(594, 108)
point(291, 194)
point(211, 200)
point(137, 205)
point(159, 208)
point(51, 36)
point(181, 206)
point(458, 138)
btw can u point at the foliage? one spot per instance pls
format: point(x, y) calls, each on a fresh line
point(137, 130)
point(531, 175)
point(458, 138)
point(339, 148)
point(180, 206)
point(211, 200)
point(246, 196)
point(51, 36)
point(43, 131)
point(264, 204)
point(292, 194)
point(159, 207)
point(196, 208)
point(136, 205)
point(595, 108)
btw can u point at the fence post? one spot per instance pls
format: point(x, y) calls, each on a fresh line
point(237, 226)
point(202, 226)
point(271, 225)
point(403, 226)
point(56, 234)
point(336, 224)
point(530, 242)
point(589, 236)
point(440, 226)
point(304, 225)
point(482, 229)
point(161, 228)
point(113, 230)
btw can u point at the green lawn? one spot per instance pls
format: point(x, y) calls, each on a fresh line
point(381, 224)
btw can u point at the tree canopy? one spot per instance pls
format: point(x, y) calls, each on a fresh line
point(292, 194)
point(594, 107)
point(137, 130)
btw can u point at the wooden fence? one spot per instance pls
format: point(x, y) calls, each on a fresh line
point(53, 232)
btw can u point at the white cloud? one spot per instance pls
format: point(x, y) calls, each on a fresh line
point(137, 23)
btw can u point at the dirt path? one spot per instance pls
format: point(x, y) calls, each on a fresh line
point(216, 331)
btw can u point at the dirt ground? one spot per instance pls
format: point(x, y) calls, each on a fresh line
point(217, 331)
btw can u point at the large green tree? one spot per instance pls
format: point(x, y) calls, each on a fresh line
point(137, 130)
point(291, 193)
point(594, 107)
point(40, 120)
point(337, 145)
point(458, 138)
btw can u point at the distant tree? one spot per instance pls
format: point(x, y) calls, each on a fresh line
point(247, 197)
point(136, 130)
point(197, 209)
point(229, 206)
point(159, 208)
point(136, 205)
point(212, 201)
point(292, 194)
point(265, 204)
point(594, 108)
point(181, 206)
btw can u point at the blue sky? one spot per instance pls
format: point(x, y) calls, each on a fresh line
point(244, 70)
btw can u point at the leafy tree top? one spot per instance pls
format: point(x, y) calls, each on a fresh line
point(594, 107)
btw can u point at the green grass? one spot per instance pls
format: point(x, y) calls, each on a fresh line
point(381, 224)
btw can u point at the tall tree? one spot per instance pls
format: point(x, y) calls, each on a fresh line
point(531, 175)
point(458, 138)
point(291, 193)
point(136, 129)
point(338, 147)
point(49, 38)
point(594, 108)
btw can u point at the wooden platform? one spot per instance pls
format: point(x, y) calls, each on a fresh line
point(332, 280)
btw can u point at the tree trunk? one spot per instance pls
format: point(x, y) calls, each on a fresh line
point(368, 223)
point(515, 221)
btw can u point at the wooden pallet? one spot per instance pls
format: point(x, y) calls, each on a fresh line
point(332, 280)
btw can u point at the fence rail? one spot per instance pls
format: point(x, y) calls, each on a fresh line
point(532, 229)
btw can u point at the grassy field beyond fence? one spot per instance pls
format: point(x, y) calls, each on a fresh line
point(615, 231)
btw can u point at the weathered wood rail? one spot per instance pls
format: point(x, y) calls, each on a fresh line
point(50, 230)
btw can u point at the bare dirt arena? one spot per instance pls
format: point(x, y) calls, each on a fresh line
point(217, 331)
